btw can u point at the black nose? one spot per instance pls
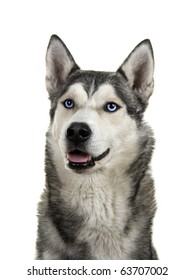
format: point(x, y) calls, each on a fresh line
point(78, 132)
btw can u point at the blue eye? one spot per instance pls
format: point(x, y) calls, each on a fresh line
point(111, 107)
point(68, 103)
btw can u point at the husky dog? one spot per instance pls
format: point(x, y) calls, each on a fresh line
point(98, 202)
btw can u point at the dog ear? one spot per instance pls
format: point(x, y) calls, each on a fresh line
point(59, 64)
point(138, 69)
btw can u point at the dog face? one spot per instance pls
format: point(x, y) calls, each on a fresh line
point(91, 130)
point(95, 115)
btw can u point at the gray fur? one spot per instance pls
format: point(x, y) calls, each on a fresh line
point(106, 213)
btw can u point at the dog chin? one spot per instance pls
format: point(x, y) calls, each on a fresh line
point(80, 162)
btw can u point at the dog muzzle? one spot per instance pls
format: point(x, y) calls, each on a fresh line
point(78, 158)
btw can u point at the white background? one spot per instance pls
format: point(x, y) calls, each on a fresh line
point(100, 35)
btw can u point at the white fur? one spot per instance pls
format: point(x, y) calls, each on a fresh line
point(101, 195)
point(106, 127)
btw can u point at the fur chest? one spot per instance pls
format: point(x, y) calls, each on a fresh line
point(105, 210)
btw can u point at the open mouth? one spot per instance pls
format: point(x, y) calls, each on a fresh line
point(82, 160)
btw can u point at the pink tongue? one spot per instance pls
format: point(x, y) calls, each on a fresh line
point(79, 158)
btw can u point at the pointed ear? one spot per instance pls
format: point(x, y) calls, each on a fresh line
point(138, 69)
point(59, 64)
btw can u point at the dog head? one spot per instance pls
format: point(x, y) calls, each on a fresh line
point(95, 115)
